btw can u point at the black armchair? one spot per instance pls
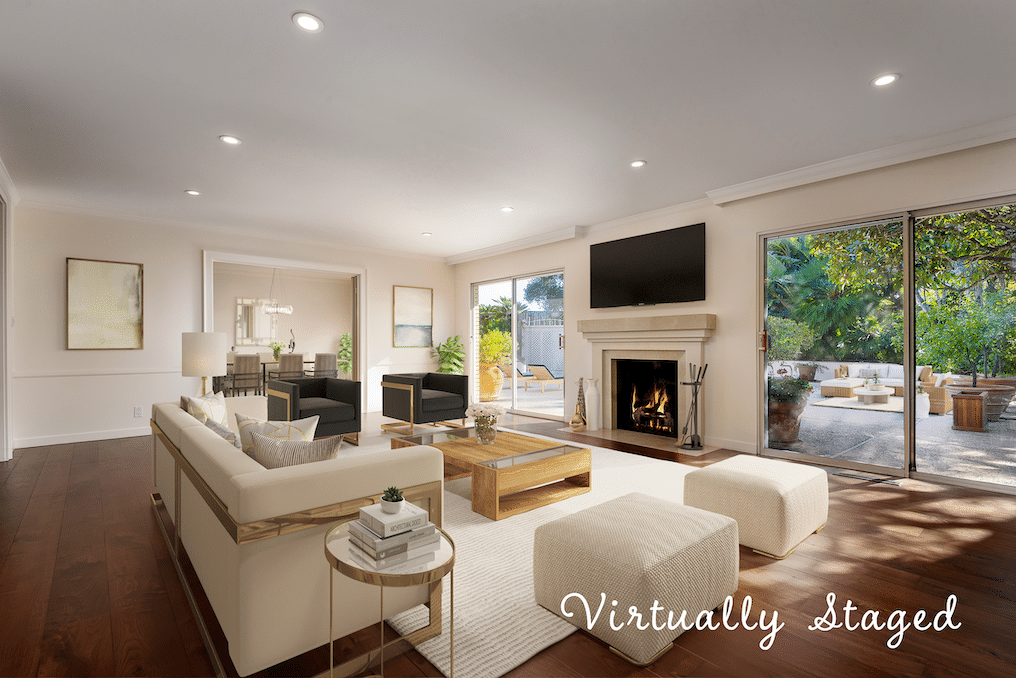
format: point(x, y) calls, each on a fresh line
point(423, 398)
point(335, 401)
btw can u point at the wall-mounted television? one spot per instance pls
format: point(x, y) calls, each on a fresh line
point(656, 268)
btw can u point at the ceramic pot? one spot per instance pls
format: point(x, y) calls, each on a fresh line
point(491, 380)
point(785, 420)
point(923, 406)
point(392, 506)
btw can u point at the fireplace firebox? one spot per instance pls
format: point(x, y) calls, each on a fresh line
point(645, 396)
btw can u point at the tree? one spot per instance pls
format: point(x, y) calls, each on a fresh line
point(970, 335)
point(498, 316)
point(787, 338)
point(547, 291)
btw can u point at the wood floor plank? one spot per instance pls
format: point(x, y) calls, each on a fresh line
point(27, 575)
point(16, 493)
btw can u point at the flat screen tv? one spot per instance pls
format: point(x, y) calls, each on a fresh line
point(656, 268)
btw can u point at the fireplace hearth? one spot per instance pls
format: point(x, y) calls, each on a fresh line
point(647, 396)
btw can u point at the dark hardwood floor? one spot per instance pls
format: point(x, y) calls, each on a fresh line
point(88, 588)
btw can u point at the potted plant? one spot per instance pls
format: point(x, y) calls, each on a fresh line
point(922, 404)
point(450, 354)
point(787, 399)
point(345, 354)
point(392, 500)
point(495, 347)
point(808, 370)
point(872, 383)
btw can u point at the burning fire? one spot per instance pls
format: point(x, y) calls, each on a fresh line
point(652, 413)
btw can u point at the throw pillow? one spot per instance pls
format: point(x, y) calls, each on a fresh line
point(300, 429)
point(227, 433)
point(211, 406)
point(275, 453)
point(940, 380)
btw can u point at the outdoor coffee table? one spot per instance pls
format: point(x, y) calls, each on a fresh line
point(867, 396)
point(516, 473)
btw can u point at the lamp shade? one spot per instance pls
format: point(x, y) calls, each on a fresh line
point(204, 354)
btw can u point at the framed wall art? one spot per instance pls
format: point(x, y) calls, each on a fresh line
point(413, 313)
point(105, 305)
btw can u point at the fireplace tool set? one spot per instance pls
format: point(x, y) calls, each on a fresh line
point(693, 441)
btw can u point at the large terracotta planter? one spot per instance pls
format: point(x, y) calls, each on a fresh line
point(491, 380)
point(785, 420)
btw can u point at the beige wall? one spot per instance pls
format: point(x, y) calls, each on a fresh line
point(731, 392)
point(66, 396)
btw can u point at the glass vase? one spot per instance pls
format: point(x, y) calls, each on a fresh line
point(486, 430)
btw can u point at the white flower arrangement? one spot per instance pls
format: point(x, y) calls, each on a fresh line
point(476, 410)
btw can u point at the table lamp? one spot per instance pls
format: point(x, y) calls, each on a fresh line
point(204, 355)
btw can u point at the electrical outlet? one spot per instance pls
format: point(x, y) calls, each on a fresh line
point(138, 412)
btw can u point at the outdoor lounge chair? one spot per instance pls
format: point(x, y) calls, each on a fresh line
point(520, 376)
point(542, 376)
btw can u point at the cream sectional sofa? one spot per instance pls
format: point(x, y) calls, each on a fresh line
point(255, 536)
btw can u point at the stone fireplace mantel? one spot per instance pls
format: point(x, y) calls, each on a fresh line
point(670, 337)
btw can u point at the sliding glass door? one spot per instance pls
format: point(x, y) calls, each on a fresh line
point(834, 362)
point(518, 349)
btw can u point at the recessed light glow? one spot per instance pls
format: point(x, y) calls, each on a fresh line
point(229, 139)
point(308, 22)
point(427, 234)
point(637, 163)
point(191, 191)
point(507, 208)
point(887, 79)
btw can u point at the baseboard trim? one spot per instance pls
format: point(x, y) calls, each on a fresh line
point(82, 437)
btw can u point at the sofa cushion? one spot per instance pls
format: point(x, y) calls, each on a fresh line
point(439, 400)
point(299, 429)
point(230, 436)
point(329, 410)
point(211, 406)
point(275, 453)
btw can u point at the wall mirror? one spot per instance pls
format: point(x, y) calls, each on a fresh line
point(254, 327)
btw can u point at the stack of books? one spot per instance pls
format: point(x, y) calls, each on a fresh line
point(400, 543)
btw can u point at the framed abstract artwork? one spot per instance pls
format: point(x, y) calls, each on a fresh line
point(105, 305)
point(413, 314)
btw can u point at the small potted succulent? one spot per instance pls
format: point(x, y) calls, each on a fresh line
point(392, 500)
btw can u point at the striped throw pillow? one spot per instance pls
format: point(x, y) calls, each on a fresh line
point(300, 429)
point(275, 453)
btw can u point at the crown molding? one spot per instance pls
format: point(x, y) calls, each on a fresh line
point(7, 188)
point(957, 140)
point(525, 243)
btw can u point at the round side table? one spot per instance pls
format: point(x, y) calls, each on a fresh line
point(347, 559)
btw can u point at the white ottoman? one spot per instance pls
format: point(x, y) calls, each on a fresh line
point(635, 551)
point(776, 504)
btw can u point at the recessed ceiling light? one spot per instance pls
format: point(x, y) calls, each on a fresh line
point(191, 191)
point(229, 139)
point(507, 208)
point(308, 22)
point(637, 163)
point(887, 79)
point(427, 234)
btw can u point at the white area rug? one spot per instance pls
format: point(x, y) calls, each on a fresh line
point(895, 404)
point(498, 624)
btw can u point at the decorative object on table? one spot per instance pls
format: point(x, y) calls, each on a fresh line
point(693, 441)
point(388, 524)
point(592, 406)
point(105, 305)
point(495, 347)
point(485, 420)
point(203, 354)
point(276, 347)
point(273, 307)
point(450, 355)
point(578, 420)
point(412, 316)
point(292, 341)
point(392, 500)
point(345, 354)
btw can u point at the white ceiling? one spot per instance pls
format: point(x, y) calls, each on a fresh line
point(405, 116)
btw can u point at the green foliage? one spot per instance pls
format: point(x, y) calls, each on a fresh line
point(450, 355)
point(345, 354)
point(787, 338)
point(392, 494)
point(969, 334)
point(499, 316)
point(789, 389)
point(547, 291)
point(495, 347)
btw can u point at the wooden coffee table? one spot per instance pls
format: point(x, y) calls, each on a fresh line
point(517, 473)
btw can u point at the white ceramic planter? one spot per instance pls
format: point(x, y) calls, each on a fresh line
point(392, 506)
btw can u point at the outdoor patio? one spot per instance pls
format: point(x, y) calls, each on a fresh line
point(875, 437)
